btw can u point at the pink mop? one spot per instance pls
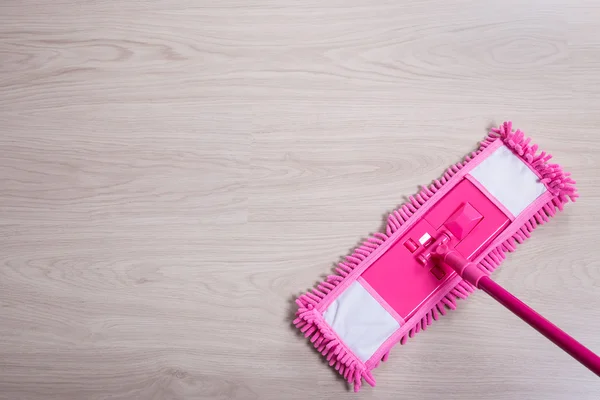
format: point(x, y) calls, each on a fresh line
point(435, 250)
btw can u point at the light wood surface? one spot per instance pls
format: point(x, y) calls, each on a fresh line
point(174, 173)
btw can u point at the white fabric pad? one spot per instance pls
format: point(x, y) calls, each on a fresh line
point(360, 321)
point(509, 180)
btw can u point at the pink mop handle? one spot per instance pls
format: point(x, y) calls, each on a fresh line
point(475, 276)
point(559, 337)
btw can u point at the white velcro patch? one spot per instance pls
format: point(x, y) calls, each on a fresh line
point(360, 321)
point(509, 180)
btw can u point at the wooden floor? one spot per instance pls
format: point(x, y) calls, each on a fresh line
point(173, 173)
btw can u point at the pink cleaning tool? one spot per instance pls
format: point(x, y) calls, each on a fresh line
point(436, 249)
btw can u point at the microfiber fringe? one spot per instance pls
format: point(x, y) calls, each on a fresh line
point(310, 321)
point(558, 182)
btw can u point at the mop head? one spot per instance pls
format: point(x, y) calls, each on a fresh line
point(382, 294)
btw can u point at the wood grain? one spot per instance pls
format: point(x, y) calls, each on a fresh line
point(173, 173)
